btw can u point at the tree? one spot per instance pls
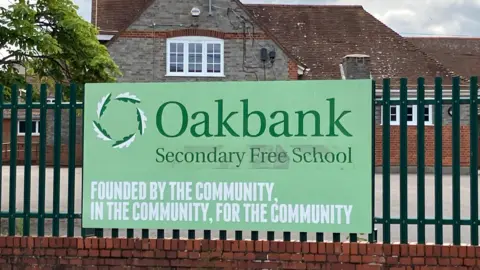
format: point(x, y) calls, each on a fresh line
point(50, 40)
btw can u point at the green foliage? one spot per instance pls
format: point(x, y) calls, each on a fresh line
point(52, 42)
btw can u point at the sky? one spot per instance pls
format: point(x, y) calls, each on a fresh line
point(407, 17)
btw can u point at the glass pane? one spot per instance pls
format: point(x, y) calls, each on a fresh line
point(173, 58)
point(217, 48)
point(393, 118)
point(191, 58)
point(180, 58)
point(34, 126)
point(22, 128)
point(199, 68)
point(217, 58)
point(393, 110)
point(180, 67)
point(173, 68)
point(209, 58)
point(191, 48)
point(409, 110)
point(198, 58)
point(199, 47)
point(180, 47)
point(209, 48)
point(217, 68)
point(191, 68)
point(173, 47)
point(210, 68)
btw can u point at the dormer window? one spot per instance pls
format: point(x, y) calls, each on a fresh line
point(195, 56)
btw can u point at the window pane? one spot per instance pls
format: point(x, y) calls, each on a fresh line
point(198, 58)
point(191, 58)
point(209, 58)
point(209, 48)
point(393, 117)
point(180, 58)
point(180, 47)
point(34, 126)
point(173, 58)
point(217, 58)
point(180, 68)
point(426, 114)
point(209, 67)
point(393, 110)
point(409, 113)
point(173, 47)
point(199, 68)
point(22, 127)
point(217, 68)
point(199, 47)
point(191, 68)
point(217, 48)
point(173, 68)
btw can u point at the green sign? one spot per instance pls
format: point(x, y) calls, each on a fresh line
point(282, 155)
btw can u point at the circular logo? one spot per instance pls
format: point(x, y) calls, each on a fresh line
point(125, 140)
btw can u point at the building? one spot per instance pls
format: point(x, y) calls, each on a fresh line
point(210, 40)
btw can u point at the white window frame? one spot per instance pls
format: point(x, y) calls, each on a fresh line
point(37, 124)
point(413, 122)
point(195, 39)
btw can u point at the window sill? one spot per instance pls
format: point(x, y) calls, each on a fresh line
point(23, 134)
point(195, 75)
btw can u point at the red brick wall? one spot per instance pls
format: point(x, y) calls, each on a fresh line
point(93, 253)
point(292, 70)
point(429, 145)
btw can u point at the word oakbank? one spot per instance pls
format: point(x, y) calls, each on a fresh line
point(229, 156)
point(254, 123)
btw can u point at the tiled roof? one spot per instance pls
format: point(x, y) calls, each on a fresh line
point(462, 55)
point(112, 16)
point(322, 35)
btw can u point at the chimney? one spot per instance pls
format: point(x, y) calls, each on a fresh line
point(355, 66)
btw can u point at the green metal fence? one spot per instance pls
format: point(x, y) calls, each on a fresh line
point(68, 220)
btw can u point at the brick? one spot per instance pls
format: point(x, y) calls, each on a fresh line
point(266, 246)
point(251, 246)
point(454, 251)
point(469, 262)
point(437, 251)
point(456, 261)
point(420, 250)
point(93, 253)
point(387, 249)
point(116, 253)
point(117, 243)
point(462, 251)
point(242, 246)
point(320, 258)
point(305, 247)
point(332, 258)
point(412, 250)
point(108, 243)
point(418, 261)
point(95, 243)
point(313, 248)
point(392, 260)
point(127, 253)
point(443, 261)
point(175, 244)
point(167, 244)
point(182, 245)
point(102, 243)
point(362, 248)
point(344, 258)
point(322, 248)
point(404, 250)
point(330, 247)
point(290, 247)
point(282, 247)
point(431, 261)
point(309, 257)
point(405, 261)
point(471, 252)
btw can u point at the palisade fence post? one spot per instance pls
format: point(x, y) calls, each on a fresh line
point(386, 160)
point(474, 160)
point(56, 163)
point(13, 161)
point(421, 161)
point(438, 162)
point(403, 162)
point(28, 162)
point(71, 160)
point(456, 160)
point(42, 160)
